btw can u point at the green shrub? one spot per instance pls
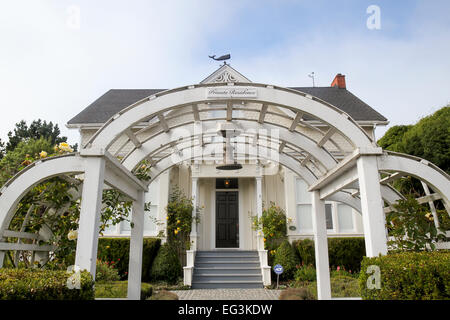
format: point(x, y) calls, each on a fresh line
point(118, 250)
point(166, 265)
point(345, 253)
point(296, 294)
point(286, 256)
point(119, 289)
point(344, 286)
point(342, 272)
point(38, 284)
point(305, 251)
point(408, 276)
point(106, 271)
point(164, 295)
point(305, 273)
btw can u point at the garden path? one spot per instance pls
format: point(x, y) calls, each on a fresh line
point(228, 294)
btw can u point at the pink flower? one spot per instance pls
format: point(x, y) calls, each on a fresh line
point(338, 268)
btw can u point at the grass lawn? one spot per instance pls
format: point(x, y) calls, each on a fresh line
point(341, 286)
point(118, 289)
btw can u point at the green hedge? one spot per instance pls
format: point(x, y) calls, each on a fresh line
point(408, 276)
point(118, 250)
point(343, 252)
point(38, 284)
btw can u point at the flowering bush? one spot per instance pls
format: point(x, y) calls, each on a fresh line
point(106, 271)
point(52, 205)
point(272, 224)
point(179, 221)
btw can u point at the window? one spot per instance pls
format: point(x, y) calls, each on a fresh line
point(150, 217)
point(303, 201)
point(329, 215)
point(345, 218)
point(304, 208)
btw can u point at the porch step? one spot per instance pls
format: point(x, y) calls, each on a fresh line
point(227, 269)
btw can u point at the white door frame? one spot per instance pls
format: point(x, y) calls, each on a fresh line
point(213, 220)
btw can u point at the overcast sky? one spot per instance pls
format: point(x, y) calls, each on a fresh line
point(54, 62)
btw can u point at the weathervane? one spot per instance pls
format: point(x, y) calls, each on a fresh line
point(311, 75)
point(221, 58)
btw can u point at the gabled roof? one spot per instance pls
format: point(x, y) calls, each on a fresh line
point(115, 100)
point(346, 101)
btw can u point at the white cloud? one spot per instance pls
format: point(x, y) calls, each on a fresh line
point(52, 72)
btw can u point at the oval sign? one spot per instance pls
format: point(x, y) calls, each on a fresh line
point(278, 269)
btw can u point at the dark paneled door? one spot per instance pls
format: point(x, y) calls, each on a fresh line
point(227, 219)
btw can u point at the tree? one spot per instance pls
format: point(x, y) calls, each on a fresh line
point(2, 149)
point(429, 138)
point(411, 227)
point(37, 129)
point(16, 160)
point(52, 205)
point(392, 139)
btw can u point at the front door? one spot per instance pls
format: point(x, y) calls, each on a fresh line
point(227, 219)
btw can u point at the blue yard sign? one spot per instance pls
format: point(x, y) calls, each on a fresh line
point(278, 269)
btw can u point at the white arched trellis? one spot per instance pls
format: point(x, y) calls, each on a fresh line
point(355, 180)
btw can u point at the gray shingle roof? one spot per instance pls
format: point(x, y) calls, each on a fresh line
point(117, 99)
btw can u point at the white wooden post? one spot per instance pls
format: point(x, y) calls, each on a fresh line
point(259, 210)
point(263, 259)
point(194, 235)
point(88, 227)
point(321, 247)
point(136, 247)
point(374, 221)
point(2, 258)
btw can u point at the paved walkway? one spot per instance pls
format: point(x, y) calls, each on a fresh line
point(228, 294)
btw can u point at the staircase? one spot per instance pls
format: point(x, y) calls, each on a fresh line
point(227, 269)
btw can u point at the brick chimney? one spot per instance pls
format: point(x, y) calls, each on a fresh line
point(339, 81)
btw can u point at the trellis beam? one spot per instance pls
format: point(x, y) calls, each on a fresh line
point(163, 122)
point(196, 113)
point(262, 113)
point(326, 137)
point(229, 111)
point(133, 138)
point(296, 120)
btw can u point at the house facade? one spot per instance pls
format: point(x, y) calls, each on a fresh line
point(239, 172)
point(234, 146)
point(237, 191)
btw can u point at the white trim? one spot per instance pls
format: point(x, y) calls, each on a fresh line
point(240, 215)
